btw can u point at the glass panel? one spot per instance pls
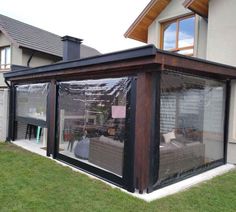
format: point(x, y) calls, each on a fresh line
point(191, 123)
point(92, 121)
point(31, 100)
point(8, 57)
point(3, 59)
point(186, 32)
point(170, 36)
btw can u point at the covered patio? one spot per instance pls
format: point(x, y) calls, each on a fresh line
point(140, 118)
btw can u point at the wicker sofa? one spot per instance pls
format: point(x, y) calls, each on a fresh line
point(176, 158)
point(107, 154)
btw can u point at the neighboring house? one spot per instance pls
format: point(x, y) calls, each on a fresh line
point(200, 28)
point(25, 45)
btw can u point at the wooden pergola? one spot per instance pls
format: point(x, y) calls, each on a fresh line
point(145, 64)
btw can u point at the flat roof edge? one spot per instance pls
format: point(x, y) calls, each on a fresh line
point(144, 51)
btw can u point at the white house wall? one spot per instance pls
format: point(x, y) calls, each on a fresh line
point(201, 37)
point(221, 47)
point(38, 59)
point(221, 44)
point(3, 40)
point(16, 55)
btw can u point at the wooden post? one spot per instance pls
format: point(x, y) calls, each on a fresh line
point(143, 130)
point(51, 119)
point(12, 109)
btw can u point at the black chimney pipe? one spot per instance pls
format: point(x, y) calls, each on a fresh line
point(71, 48)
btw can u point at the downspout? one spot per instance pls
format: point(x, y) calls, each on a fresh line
point(7, 83)
point(30, 58)
point(9, 112)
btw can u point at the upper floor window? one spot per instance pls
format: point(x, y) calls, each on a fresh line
point(5, 57)
point(178, 35)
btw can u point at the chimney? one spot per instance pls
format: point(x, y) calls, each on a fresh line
point(71, 48)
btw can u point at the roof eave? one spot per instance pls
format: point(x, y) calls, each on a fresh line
point(199, 7)
point(9, 37)
point(41, 51)
point(139, 29)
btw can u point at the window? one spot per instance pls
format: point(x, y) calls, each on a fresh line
point(178, 35)
point(5, 58)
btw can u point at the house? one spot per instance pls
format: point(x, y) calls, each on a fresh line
point(23, 45)
point(200, 28)
point(142, 118)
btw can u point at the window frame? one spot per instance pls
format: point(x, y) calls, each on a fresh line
point(4, 66)
point(177, 21)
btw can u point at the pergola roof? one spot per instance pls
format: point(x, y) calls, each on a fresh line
point(132, 61)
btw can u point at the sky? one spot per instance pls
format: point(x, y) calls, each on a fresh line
point(100, 23)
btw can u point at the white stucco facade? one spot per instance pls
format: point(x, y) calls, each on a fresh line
point(221, 44)
point(221, 47)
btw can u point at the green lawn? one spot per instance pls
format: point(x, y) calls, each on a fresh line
point(29, 182)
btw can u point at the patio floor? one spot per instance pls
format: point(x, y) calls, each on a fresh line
point(31, 145)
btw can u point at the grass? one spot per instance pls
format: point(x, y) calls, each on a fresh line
point(29, 182)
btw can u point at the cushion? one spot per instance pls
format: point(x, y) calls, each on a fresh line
point(82, 149)
point(110, 141)
point(169, 136)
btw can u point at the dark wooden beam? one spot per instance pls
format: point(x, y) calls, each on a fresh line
point(102, 70)
point(143, 130)
point(12, 110)
point(194, 66)
point(51, 118)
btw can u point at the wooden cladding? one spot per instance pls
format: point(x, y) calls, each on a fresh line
point(198, 6)
point(139, 29)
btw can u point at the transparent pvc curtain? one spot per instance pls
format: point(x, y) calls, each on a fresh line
point(191, 123)
point(92, 121)
point(31, 100)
